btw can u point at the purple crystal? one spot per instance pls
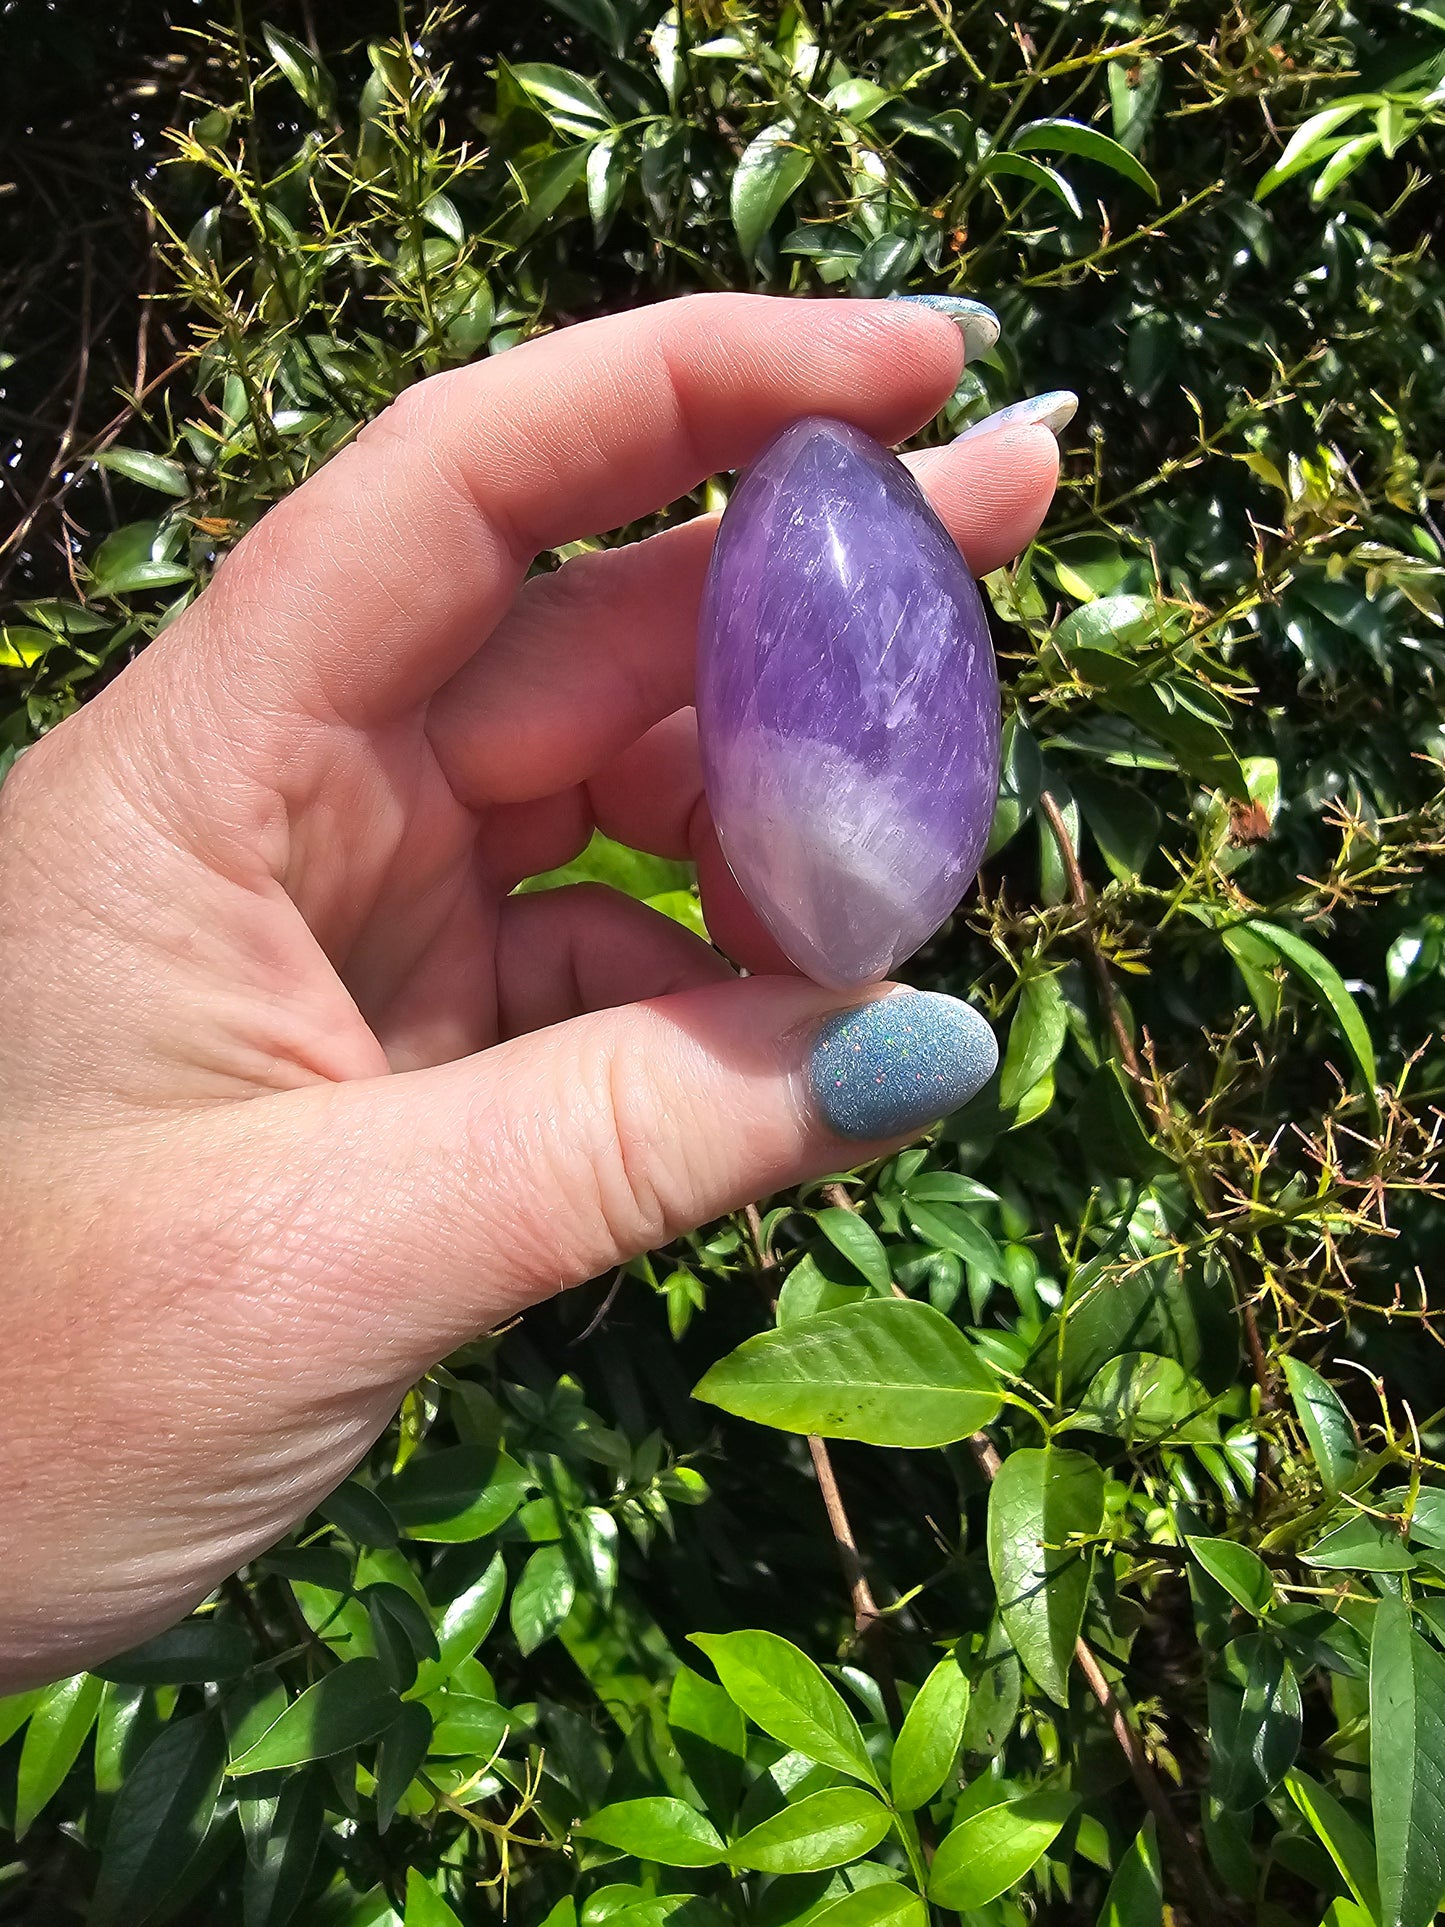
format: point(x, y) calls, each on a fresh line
point(847, 703)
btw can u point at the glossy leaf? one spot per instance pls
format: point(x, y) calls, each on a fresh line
point(1241, 1572)
point(932, 1732)
point(1325, 1422)
point(542, 1597)
point(888, 1372)
point(1325, 987)
point(275, 1883)
point(989, 1852)
point(149, 471)
point(159, 1821)
point(455, 1495)
point(1037, 1502)
point(1361, 1544)
point(1035, 1038)
point(345, 1708)
point(1071, 137)
point(1136, 1892)
point(826, 1829)
point(783, 1692)
point(1255, 1722)
point(464, 1624)
point(711, 1736)
point(771, 170)
point(425, 1906)
point(403, 1748)
point(189, 1654)
point(1347, 1842)
point(859, 1244)
point(885, 1903)
point(668, 1831)
point(59, 1727)
point(1407, 1768)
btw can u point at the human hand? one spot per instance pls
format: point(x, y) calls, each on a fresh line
point(296, 1096)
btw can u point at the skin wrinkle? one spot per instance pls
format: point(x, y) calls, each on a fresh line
point(227, 1285)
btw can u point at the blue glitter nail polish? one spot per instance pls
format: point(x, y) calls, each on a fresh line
point(978, 324)
point(892, 1066)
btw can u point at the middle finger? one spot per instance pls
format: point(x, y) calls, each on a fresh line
point(595, 653)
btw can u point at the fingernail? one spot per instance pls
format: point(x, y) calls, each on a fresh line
point(888, 1067)
point(1054, 411)
point(978, 325)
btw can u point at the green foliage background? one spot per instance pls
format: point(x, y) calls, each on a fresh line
point(1133, 1368)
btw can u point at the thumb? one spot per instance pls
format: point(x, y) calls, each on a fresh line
point(456, 1196)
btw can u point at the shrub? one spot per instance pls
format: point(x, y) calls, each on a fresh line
point(1093, 1559)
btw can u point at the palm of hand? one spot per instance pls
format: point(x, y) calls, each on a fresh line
point(281, 1125)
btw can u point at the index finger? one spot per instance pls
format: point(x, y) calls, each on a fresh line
point(379, 577)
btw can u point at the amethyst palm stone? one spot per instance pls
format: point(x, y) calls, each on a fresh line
point(847, 702)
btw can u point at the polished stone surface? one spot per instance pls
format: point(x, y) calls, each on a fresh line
point(847, 703)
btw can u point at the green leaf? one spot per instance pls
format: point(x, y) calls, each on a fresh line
point(465, 1623)
point(1325, 1423)
point(1241, 1572)
point(1361, 1544)
point(859, 1244)
point(1036, 1036)
point(770, 171)
point(887, 1372)
point(1305, 145)
point(275, 1882)
point(1407, 1767)
point(1134, 90)
point(1255, 1722)
point(1072, 137)
point(886, 1903)
point(1144, 1398)
point(1324, 985)
point(192, 1653)
point(1038, 1500)
point(344, 1709)
point(711, 1736)
point(400, 1756)
point(1020, 780)
point(826, 1829)
point(783, 1692)
point(931, 1734)
point(947, 1227)
point(990, 1852)
point(542, 1597)
point(543, 185)
point(16, 1710)
point(1136, 1893)
point(161, 1816)
point(150, 471)
point(304, 71)
point(569, 102)
point(1348, 1844)
point(467, 1723)
point(425, 1906)
point(358, 1512)
point(58, 1729)
point(1035, 173)
point(1256, 962)
point(668, 1831)
point(455, 1495)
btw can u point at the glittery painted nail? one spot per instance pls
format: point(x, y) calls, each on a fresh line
point(889, 1067)
point(978, 325)
point(1054, 411)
